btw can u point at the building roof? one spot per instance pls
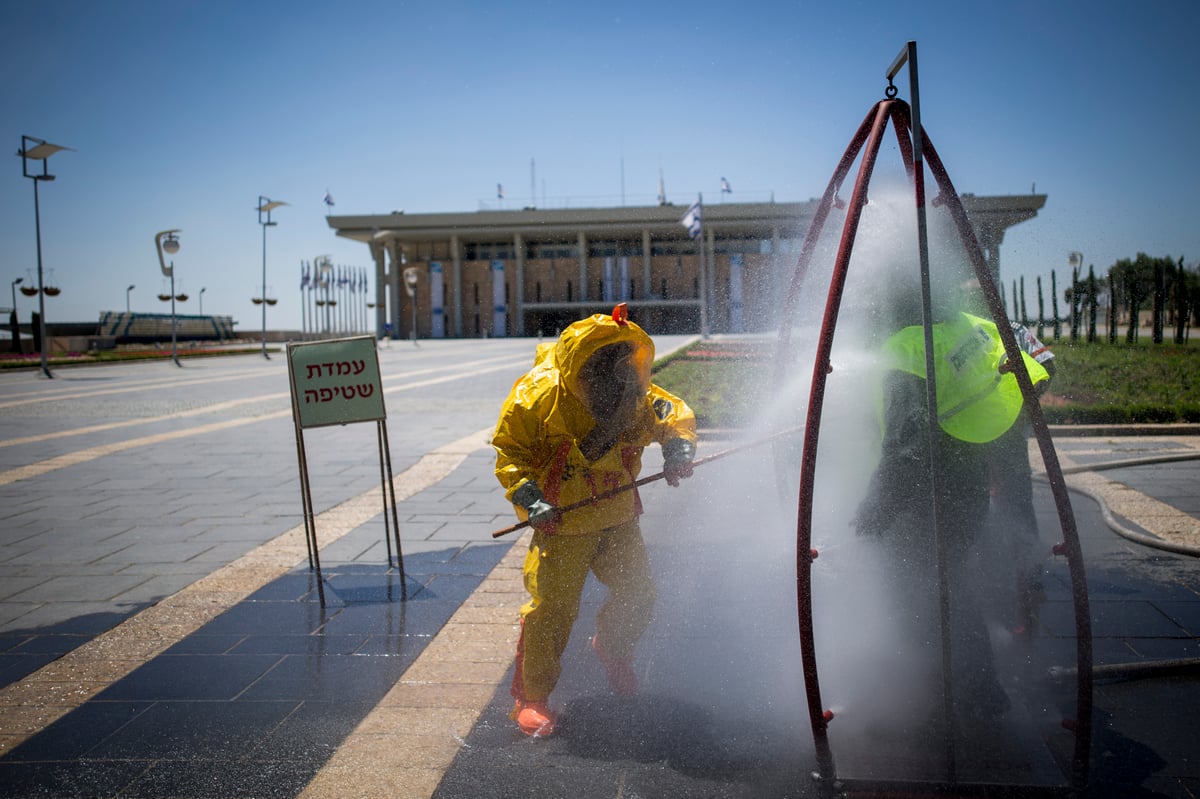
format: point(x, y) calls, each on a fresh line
point(789, 218)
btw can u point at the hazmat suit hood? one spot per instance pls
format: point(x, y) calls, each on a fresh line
point(583, 339)
point(548, 434)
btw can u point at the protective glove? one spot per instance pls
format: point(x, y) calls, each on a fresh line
point(677, 460)
point(541, 513)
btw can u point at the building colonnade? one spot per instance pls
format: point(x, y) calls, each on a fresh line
point(531, 272)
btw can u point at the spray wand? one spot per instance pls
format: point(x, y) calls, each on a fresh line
point(652, 478)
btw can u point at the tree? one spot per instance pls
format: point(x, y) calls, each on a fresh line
point(1185, 296)
point(1073, 297)
point(1135, 281)
point(1054, 305)
point(1159, 299)
point(1091, 305)
point(1112, 311)
point(1041, 326)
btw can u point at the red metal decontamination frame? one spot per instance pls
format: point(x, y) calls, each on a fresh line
point(871, 134)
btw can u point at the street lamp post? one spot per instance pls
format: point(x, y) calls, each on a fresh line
point(131, 288)
point(167, 241)
point(40, 151)
point(202, 290)
point(16, 321)
point(265, 207)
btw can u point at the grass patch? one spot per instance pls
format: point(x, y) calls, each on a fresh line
point(726, 381)
point(1124, 383)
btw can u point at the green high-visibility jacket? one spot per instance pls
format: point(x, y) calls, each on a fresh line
point(976, 402)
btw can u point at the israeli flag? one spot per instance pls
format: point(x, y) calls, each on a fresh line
point(725, 187)
point(691, 220)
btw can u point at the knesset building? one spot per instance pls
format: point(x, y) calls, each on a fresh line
point(531, 272)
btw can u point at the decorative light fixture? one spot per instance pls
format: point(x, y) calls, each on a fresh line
point(167, 241)
point(40, 151)
point(265, 206)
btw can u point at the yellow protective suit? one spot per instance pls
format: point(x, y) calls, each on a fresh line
point(537, 438)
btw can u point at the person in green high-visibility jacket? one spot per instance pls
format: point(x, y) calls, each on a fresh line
point(977, 401)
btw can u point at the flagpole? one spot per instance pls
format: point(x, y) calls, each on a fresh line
point(303, 310)
point(703, 271)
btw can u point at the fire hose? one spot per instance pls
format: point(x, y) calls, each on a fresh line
point(650, 479)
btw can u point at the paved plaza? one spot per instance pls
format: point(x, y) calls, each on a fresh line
point(162, 633)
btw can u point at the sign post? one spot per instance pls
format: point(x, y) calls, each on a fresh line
point(337, 382)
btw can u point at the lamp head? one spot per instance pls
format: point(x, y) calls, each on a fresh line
point(18, 280)
point(131, 287)
point(166, 241)
point(265, 206)
point(38, 150)
point(42, 150)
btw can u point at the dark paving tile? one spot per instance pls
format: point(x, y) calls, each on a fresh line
point(414, 617)
point(8, 642)
point(1061, 652)
point(430, 556)
point(405, 646)
point(346, 678)
point(192, 730)
point(1185, 614)
point(67, 780)
point(317, 644)
point(203, 644)
point(1166, 648)
point(75, 734)
point(1135, 739)
point(1141, 574)
point(191, 677)
point(453, 587)
point(206, 779)
point(294, 618)
point(89, 624)
point(15, 667)
point(481, 557)
point(371, 588)
point(1112, 619)
point(311, 734)
point(296, 586)
point(341, 569)
point(51, 644)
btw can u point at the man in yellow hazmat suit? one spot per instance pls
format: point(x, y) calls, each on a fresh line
point(573, 428)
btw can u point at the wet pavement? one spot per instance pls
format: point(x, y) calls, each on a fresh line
point(161, 634)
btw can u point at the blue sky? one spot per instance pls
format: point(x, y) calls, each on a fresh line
point(183, 113)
